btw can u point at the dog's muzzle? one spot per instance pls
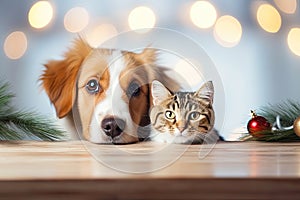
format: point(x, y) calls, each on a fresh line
point(113, 126)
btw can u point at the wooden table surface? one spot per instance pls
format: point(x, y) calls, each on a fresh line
point(80, 170)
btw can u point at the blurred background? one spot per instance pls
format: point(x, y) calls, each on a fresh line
point(254, 45)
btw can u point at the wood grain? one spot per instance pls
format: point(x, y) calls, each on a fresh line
point(76, 170)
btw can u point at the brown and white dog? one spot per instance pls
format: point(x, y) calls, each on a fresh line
point(107, 89)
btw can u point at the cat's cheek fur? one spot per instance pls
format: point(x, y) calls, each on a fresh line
point(171, 138)
point(161, 137)
point(183, 140)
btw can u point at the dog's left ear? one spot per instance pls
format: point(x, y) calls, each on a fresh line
point(59, 77)
point(148, 55)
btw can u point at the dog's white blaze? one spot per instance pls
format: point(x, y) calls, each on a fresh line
point(112, 104)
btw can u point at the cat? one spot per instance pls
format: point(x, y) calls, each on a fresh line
point(182, 117)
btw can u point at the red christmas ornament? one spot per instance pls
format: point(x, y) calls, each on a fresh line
point(257, 124)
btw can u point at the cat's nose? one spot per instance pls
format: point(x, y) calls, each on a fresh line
point(113, 126)
point(181, 129)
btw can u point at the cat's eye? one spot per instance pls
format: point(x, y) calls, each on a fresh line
point(194, 115)
point(170, 114)
point(92, 86)
point(133, 90)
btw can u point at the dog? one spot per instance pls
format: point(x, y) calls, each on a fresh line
point(103, 93)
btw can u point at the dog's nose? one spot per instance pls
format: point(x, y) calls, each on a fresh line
point(112, 126)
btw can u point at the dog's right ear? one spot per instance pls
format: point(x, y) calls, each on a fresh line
point(59, 77)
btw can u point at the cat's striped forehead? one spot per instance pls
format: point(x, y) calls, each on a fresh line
point(186, 101)
point(183, 98)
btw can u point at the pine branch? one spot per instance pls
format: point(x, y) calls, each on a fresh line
point(17, 125)
point(281, 136)
point(288, 112)
point(5, 97)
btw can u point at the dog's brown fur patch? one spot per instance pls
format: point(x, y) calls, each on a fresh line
point(59, 77)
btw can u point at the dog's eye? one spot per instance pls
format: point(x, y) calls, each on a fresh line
point(133, 90)
point(92, 86)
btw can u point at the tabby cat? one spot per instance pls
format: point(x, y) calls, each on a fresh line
point(182, 117)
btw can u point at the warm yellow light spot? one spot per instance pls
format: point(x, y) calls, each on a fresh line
point(76, 19)
point(269, 18)
point(141, 18)
point(40, 14)
point(287, 6)
point(100, 34)
point(293, 40)
point(15, 45)
point(203, 14)
point(228, 31)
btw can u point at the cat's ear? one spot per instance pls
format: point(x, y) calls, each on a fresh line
point(159, 92)
point(206, 91)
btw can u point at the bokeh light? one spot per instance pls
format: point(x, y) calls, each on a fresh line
point(141, 18)
point(287, 6)
point(268, 18)
point(40, 14)
point(293, 40)
point(228, 31)
point(15, 45)
point(99, 34)
point(76, 19)
point(203, 14)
